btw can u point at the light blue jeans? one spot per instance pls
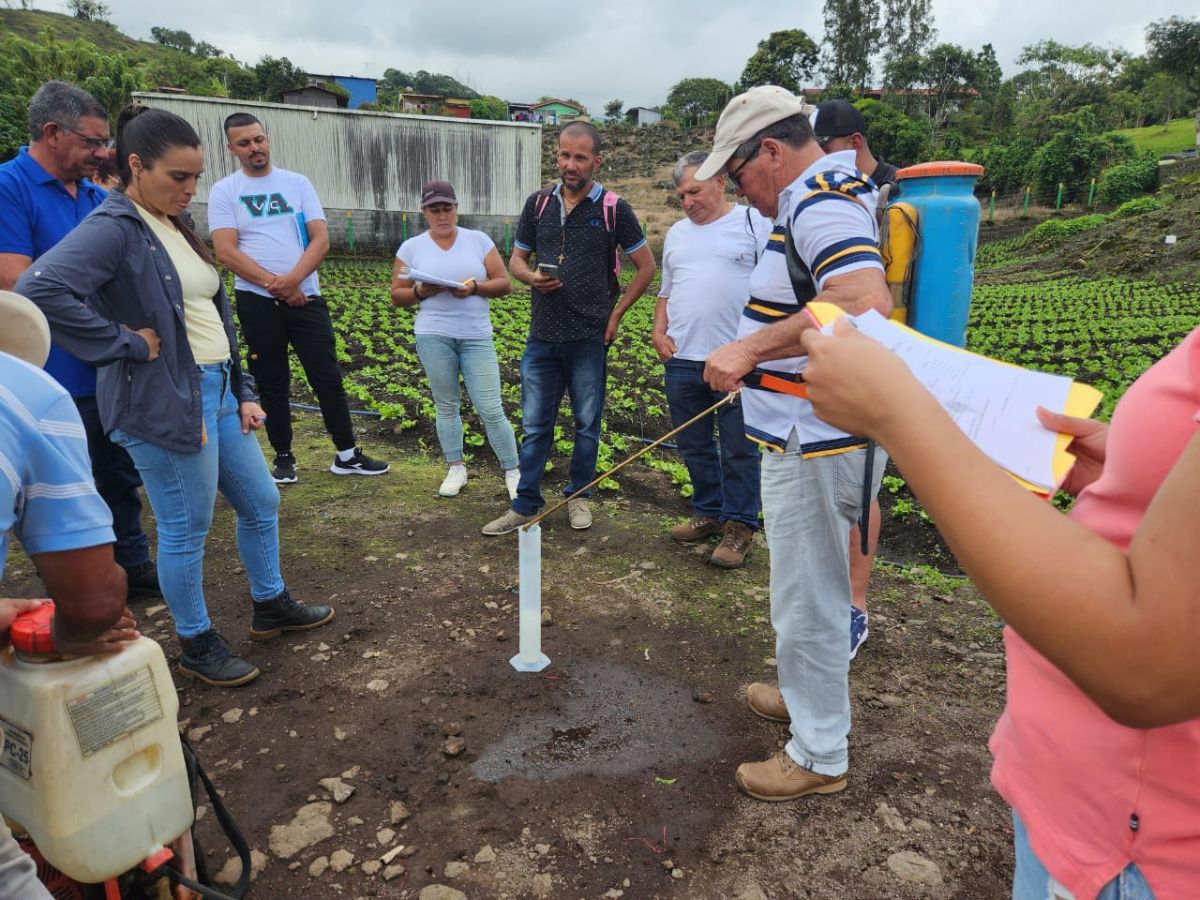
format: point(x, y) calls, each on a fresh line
point(1033, 881)
point(808, 508)
point(445, 359)
point(182, 488)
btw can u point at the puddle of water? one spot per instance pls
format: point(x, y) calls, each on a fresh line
point(615, 721)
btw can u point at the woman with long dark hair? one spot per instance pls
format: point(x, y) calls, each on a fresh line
point(170, 388)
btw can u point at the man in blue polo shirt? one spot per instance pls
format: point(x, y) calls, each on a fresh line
point(44, 193)
point(574, 231)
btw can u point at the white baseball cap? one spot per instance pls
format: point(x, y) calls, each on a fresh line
point(745, 116)
point(23, 329)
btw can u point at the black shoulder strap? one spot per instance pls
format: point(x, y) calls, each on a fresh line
point(803, 285)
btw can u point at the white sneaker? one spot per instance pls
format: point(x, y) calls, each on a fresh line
point(455, 481)
point(511, 479)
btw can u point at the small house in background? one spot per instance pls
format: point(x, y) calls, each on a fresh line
point(520, 112)
point(558, 112)
point(425, 104)
point(456, 108)
point(642, 116)
point(314, 96)
point(362, 90)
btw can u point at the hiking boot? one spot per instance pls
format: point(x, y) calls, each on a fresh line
point(273, 617)
point(512, 478)
point(207, 657)
point(284, 470)
point(696, 529)
point(143, 581)
point(766, 700)
point(579, 514)
point(780, 778)
point(358, 464)
point(734, 546)
point(858, 629)
point(506, 524)
point(455, 481)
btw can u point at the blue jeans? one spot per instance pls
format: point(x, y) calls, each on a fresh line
point(724, 485)
point(578, 368)
point(1033, 881)
point(444, 359)
point(182, 488)
point(117, 481)
point(808, 507)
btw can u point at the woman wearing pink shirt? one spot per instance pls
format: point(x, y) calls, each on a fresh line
point(1098, 749)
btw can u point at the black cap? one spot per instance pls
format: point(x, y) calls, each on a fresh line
point(838, 118)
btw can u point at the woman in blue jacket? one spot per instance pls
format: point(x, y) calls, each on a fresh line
point(170, 385)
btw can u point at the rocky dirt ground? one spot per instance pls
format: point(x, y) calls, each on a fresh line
point(396, 753)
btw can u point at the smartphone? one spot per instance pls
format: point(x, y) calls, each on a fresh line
point(548, 269)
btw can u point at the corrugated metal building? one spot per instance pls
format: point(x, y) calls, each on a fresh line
point(368, 167)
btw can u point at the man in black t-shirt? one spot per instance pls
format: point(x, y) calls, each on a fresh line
point(574, 231)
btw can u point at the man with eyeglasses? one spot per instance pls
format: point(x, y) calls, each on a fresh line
point(44, 193)
point(813, 475)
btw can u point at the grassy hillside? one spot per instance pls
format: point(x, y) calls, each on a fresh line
point(1178, 134)
point(28, 23)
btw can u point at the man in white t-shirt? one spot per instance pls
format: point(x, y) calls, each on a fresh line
point(707, 261)
point(268, 226)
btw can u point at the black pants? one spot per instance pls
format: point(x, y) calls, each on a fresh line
point(268, 327)
point(117, 482)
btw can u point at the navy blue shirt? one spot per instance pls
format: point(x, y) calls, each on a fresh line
point(36, 212)
point(580, 246)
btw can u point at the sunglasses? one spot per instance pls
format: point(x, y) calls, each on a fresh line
point(93, 143)
point(735, 175)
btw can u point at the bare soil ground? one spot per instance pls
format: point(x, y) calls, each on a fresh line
point(609, 774)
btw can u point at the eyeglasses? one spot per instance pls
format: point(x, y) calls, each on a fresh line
point(93, 143)
point(735, 175)
point(822, 141)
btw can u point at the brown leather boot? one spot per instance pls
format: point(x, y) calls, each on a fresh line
point(696, 529)
point(766, 700)
point(734, 547)
point(779, 778)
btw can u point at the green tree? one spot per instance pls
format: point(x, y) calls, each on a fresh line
point(89, 10)
point(898, 138)
point(948, 73)
point(852, 34)
point(786, 58)
point(489, 107)
point(1174, 46)
point(910, 32)
point(696, 100)
point(274, 75)
point(613, 110)
point(178, 40)
point(1163, 97)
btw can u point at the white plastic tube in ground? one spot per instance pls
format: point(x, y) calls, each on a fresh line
point(530, 657)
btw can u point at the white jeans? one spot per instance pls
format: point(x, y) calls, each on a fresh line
point(18, 874)
point(808, 508)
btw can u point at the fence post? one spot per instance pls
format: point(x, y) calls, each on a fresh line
point(1091, 193)
point(1025, 212)
point(350, 230)
point(643, 228)
point(992, 209)
point(403, 227)
point(507, 239)
point(1058, 200)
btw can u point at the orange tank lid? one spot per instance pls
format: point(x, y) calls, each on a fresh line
point(946, 167)
point(32, 631)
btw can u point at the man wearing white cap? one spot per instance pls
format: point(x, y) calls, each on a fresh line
point(813, 475)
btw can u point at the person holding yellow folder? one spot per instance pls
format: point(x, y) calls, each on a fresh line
point(1096, 750)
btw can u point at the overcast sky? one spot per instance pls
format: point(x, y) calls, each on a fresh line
point(634, 50)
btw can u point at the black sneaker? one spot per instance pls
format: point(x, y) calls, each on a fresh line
point(358, 464)
point(284, 470)
point(207, 658)
point(273, 617)
point(143, 581)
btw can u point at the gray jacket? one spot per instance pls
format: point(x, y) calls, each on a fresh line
point(112, 269)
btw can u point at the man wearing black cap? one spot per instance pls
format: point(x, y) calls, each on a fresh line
point(268, 227)
point(839, 125)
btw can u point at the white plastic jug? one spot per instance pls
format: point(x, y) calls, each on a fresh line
point(91, 765)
